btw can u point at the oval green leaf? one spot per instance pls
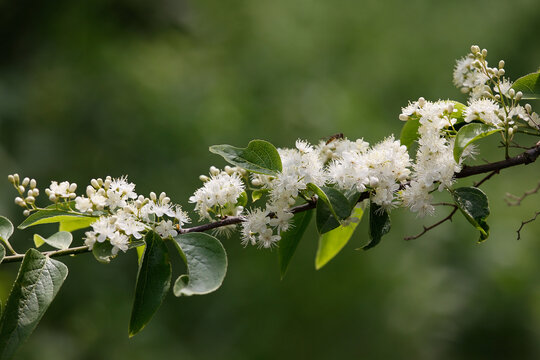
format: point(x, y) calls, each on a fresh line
point(2, 253)
point(37, 283)
point(529, 85)
point(336, 202)
point(6, 228)
point(102, 251)
point(259, 156)
point(61, 240)
point(379, 225)
point(290, 239)
point(153, 282)
point(206, 261)
point(74, 221)
point(409, 132)
point(474, 205)
point(331, 243)
point(343, 203)
point(469, 134)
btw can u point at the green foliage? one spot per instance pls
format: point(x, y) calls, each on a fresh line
point(469, 134)
point(2, 253)
point(153, 282)
point(474, 205)
point(529, 85)
point(379, 224)
point(409, 132)
point(326, 221)
point(257, 194)
point(259, 156)
point(69, 221)
point(206, 261)
point(290, 239)
point(60, 240)
point(331, 243)
point(102, 251)
point(6, 230)
point(332, 205)
point(37, 284)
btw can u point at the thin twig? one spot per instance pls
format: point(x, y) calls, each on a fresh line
point(426, 229)
point(513, 200)
point(526, 222)
point(54, 253)
point(486, 178)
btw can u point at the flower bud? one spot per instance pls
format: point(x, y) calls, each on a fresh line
point(33, 184)
point(11, 179)
point(72, 196)
point(501, 64)
point(501, 72)
point(21, 188)
point(528, 108)
point(519, 95)
point(52, 198)
point(162, 196)
point(153, 196)
point(25, 181)
point(94, 183)
point(484, 52)
point(166, 200)
point(19, 201)
point(256, 182)
point(16, 178)
point(510, 131)
point(35, 192)
point(214, 170)
point(26, 212)
point(72, 187)
point(403, 117)
point(204, 178)
point(512, 93)
point(107, 183)
point(30, 200)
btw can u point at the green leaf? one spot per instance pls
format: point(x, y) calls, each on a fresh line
point(325, 219)
point(409, 132)
point(72, 220)
point(153, 282)
point(242, 199)
point(469, 134)
point(459, 109)
point(259, 157)
point(474, 205)
point(206, 261)
point(37, 283)
point(331, 243)
point(257, 194)
point(379, 224)
point(335, 202)
point(290, 239)
point(61, 240)
point(2, 253)
point(102, 251)
point(6, 230)
point(529, 85)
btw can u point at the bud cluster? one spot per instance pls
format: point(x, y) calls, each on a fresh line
point(25, 201)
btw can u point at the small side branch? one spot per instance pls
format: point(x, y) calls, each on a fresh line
point(513, 200)
point(523, 223)
point(428, 228)
point(54, 253)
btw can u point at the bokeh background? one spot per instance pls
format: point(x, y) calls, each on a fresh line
point(143, 88)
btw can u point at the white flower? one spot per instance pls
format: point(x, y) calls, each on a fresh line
point(129, 224)
point(166, 228)
point(181, 216)
point(104, 228)
point(63, 190)
point(485, 110)
point(123, 187)
point(256, 221)
point(90, 239)
point(83, 204)
point(466, 75)
point(119, 241)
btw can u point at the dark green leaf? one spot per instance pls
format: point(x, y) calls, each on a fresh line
point(326, 220)
point(242, 199)
point(73, 221)
point(206, 261)
point(379, 224)
point(259, 157)
point(331, 243)
point(330, 200)
point(60, 240)
point(409, 132)
point(37, 283)
point(153, 282)
point(290, 239)
point(529, 85)
point(469, 134)
point(102, 251)
point(474, 205)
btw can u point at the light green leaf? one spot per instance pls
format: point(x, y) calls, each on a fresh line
point(474, 205)
point(529, 85)
point(242, 199)
point(379, 224)
point(290, 239)
point(102, 251)
point(61, 240)
point(37, 283)
point(2, 253)
point(48, 216)
point(153, 282)
point(409, 132)
point(459, 108)
point(259, 157)
point(206, 261)
point(331, 243)
point(469, 134)
point(257, 194)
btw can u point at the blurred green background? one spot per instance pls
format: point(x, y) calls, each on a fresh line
point(96, 88)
